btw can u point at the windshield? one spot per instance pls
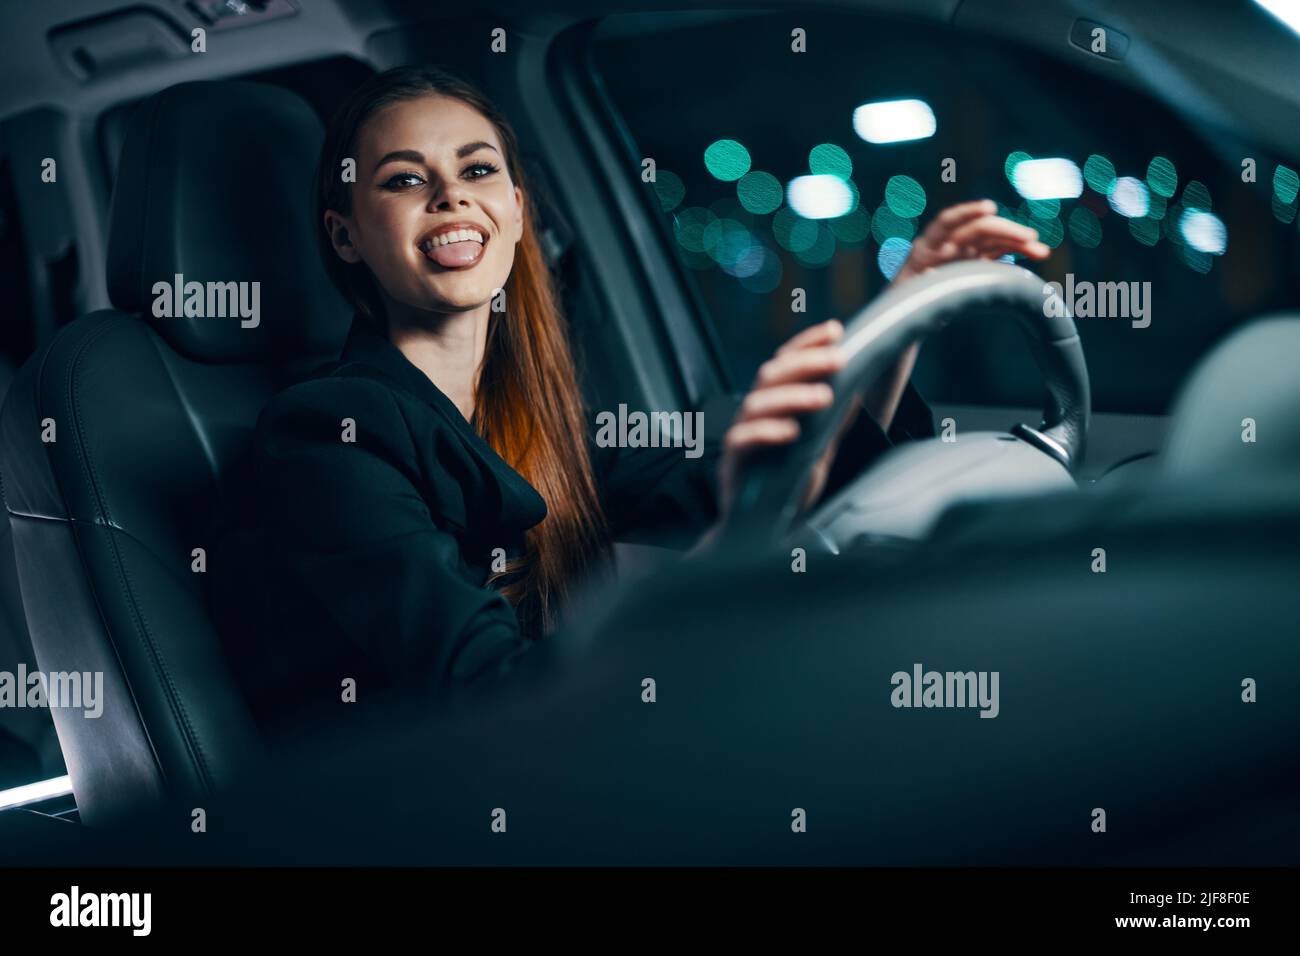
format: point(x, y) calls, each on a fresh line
point(793, 182)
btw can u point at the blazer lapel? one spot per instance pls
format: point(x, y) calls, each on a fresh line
point(521, 504)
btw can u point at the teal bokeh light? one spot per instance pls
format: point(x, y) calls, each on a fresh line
point(1162, 177)
point(792, 231)
point(1014, 159)
point(689, 226)
point(1085, 228)
point(1099, 173)
point(727, 160)
point(893, 253)
point(852, 228)
point(887, 224)
point(1286, 183)
point(669, 189)
point(905, 197)
point(759, 192)
point(830, 159)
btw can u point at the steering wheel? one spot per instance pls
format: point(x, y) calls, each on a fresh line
point(903, 493)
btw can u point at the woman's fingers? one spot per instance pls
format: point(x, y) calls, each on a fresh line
point(979, 247)
point(987, 237)
point(785, 400)
point(761, 432)
point(972, 230)
point(1033, 248)
point(992, 227)
point(998, 246)
point(799, 365)
point(787, 385)
point(954, 216)
point(823, 333)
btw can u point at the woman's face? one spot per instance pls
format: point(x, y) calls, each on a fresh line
point(435, 215)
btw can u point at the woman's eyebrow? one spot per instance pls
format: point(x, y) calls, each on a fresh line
point(415, 156)
point(410, 155)
point(473, 148)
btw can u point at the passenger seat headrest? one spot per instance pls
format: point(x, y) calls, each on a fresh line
point(1251, 375)
point(216, 185)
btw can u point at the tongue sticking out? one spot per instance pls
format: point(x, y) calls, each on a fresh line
point(456, 253)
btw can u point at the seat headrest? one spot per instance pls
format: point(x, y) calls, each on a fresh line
point(1249, 376)
point(215, 185)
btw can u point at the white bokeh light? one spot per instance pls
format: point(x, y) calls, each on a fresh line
point(1129, 197)
point(1204, 231)
point(1048, 179)
point(821, 196)
point(894, 121)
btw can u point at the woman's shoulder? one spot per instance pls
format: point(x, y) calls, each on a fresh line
point(339, 405)
point(348, 389)
point(349, 426)
point(334, 384)
point(321, 422)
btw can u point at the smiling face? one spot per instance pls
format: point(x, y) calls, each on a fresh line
point(435, 215)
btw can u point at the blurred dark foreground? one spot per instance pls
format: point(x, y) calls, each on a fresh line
point(1120, 691)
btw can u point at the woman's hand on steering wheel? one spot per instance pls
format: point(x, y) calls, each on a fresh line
point(970, 230)
point(794, 381)
point(791, 383)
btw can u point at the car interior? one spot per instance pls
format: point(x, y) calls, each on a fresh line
point(125, 155)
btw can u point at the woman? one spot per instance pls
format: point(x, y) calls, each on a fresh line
point(422, 507)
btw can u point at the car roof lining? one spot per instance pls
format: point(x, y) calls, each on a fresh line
point(1181, 59)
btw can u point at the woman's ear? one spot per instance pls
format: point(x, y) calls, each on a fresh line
point(339, 229)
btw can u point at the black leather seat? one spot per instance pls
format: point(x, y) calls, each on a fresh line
point(149, 416)
point(29, 748)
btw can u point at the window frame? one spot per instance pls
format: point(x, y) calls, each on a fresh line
point(674, 349)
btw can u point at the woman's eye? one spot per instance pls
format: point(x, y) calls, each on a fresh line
point(403, 180)
point(410, 180)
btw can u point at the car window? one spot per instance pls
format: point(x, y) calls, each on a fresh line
point(710, 103)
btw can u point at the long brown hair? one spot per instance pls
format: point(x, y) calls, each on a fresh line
point(527, 404)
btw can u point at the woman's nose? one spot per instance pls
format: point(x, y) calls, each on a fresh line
point(449, 196)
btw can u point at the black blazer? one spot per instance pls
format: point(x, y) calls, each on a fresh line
point(367, 558)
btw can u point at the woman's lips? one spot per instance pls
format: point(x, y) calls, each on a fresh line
point(456, 250)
